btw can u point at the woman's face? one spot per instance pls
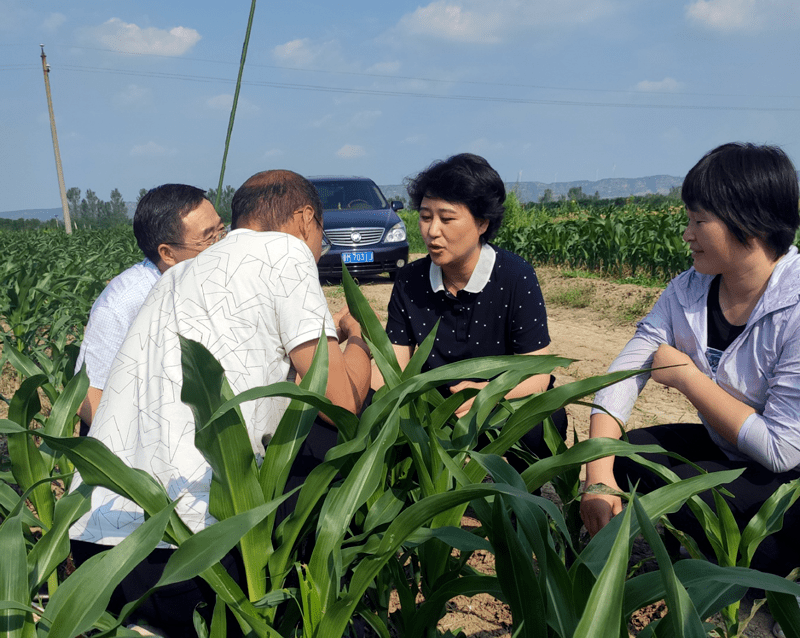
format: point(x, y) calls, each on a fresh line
point(714, 248)
point(451, 233)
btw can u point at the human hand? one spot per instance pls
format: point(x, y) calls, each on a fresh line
point(465, 407)
point(675, 377)
point(346, 325)
point(598, 509)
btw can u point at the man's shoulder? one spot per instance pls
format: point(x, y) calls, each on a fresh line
point(134, 282)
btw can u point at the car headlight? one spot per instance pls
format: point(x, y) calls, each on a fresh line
point(396, 233)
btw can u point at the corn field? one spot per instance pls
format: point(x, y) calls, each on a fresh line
point(381, 514)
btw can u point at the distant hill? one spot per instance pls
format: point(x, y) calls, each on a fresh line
point(607, 188)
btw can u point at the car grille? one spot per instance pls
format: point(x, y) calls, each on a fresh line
point(344, 236)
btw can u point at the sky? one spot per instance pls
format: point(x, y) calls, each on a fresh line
point(546, 90)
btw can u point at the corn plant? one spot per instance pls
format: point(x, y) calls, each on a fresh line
point(382, 511)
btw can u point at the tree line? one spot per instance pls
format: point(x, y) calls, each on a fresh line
point(90, 211)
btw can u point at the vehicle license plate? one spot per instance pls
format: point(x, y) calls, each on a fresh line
point(358, 258)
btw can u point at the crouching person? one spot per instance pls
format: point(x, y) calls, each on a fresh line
point(254, 301)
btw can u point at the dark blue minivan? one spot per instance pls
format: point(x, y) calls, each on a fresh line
point(363, 228)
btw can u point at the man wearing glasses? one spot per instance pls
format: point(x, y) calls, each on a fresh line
point(255, 302)
point(172, 223)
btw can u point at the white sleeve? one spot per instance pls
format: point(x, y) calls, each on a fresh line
point(651, 332)
point(772, 438)
point(300, 305)
point(102, 338)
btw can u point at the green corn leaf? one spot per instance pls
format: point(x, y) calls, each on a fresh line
point(53, 547)
point(62, 416)
point(708, 595)
point(602, 616)
point(516, 576)
point(225, 444)
point(25, 402)
point(210, 545)
point(27, 464)
point(371, 327)
point(785, 610)
point(15, 622)
point(460, 539)
point(657, 503)
point(413, 517)
point(219, 620)
point(346, 421)
point(10, 501)
point(375, 623)
point(768, 520)
point(61, 421)
point(339, 508)
point(28, 368)
point(384, 510)
point(682, 619)
point(99, 466)
point(293, 428)
point(83, 597)
point(421, 354)
point(729, 530)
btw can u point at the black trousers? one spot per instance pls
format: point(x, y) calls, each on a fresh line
point(170, 608)
point(778, 553)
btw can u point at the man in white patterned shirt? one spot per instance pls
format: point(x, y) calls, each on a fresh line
point(254, 300)
point(172, 223)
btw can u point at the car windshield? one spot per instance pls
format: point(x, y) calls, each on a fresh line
point(350, 195)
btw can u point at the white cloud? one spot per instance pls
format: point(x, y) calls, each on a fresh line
point(297, 52)
point(491, 21)
point(134, 96)
point(365, 119)
point(53, 21)
point(667, 85)
point(730, 16)
point(224, 101)
point(273, 152)
point(351, 151)
point(445, 21)
point(130, 38)
point(151, 149)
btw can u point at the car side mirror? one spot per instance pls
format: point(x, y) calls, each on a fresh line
point(396, 205)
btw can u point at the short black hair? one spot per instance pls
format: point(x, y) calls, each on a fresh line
point(752, 189)
point(268, 200)
point(463, 179)
point(159, 216)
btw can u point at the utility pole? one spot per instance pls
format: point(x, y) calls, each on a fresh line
point(62, 188)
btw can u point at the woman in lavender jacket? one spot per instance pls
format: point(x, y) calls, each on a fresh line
point(731, 326)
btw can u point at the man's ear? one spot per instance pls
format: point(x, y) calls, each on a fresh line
point(167, 256)
point(309, 220)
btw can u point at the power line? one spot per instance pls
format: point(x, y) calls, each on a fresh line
point(433, 80)
point(412, 94)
